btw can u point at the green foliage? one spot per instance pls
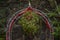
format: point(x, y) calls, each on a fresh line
point(51, 14)
point(29, 25)
point(1, 38)
point(55, 22)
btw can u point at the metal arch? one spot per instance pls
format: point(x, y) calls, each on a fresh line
point(11, 21)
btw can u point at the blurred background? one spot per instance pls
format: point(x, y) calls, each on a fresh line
point(50, 7)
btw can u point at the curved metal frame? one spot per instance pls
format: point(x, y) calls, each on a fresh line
point(11, 21)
